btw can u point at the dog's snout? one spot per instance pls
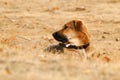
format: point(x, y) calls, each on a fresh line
point(60, 37)
point(55, 34)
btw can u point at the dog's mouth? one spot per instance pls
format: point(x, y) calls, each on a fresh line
point(60, 37)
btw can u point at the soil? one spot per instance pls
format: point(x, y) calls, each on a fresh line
point(26, 28)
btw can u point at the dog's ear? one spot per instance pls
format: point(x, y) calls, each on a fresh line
point(78, 25)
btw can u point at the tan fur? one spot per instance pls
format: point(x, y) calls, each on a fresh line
point(76, 32)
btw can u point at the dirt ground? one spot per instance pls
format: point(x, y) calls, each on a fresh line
point(26, 28)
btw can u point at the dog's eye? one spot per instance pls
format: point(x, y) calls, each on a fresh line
point(65, 27)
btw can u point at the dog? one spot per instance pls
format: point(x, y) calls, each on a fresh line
point(73, 35)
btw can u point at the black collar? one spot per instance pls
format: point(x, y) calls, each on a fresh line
point(74, 46)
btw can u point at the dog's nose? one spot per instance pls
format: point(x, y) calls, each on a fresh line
point(59, 37)
point(54, 34)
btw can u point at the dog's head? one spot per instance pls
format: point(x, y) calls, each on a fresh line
point(73, 32)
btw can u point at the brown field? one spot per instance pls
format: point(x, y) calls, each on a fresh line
point(25, 31)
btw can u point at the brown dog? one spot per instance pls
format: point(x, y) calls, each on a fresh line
point(73, 35)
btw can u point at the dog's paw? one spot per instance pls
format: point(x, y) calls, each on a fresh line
point(54, 49)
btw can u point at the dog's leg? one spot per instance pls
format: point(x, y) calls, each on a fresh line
point(84, 54)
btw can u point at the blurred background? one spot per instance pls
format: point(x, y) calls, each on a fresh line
point(26, 28)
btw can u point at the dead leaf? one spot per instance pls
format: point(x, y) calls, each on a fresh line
point(106, 58)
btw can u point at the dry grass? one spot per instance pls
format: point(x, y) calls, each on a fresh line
point(26, 27)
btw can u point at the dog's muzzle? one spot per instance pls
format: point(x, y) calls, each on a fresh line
point(60, 37)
